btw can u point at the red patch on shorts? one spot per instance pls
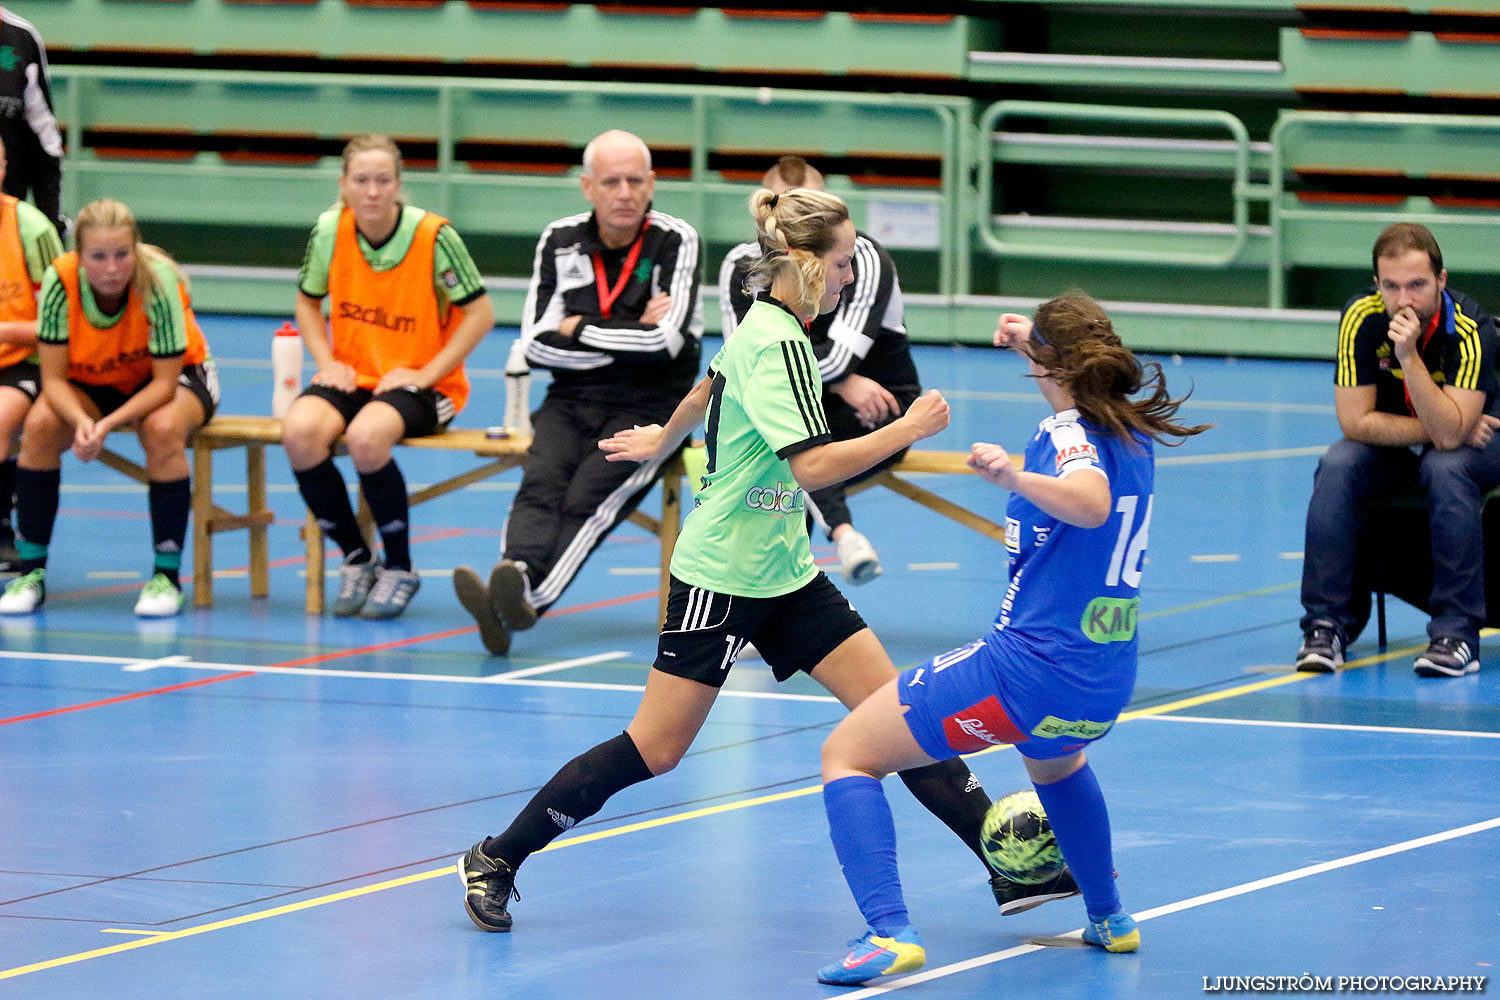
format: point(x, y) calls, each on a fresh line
point(979, 726)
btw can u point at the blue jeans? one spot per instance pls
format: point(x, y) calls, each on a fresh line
point(1351, 473)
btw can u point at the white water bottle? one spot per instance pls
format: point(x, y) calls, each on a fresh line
point(518, 391)
point(286, 368)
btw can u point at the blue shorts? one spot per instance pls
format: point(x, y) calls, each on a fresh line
point(981, 695)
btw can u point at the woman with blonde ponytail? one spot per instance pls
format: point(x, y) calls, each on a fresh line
point(1057, 667)
point(743, 570)
point(119, 347)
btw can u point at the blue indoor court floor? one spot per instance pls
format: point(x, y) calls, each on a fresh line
point(247, 802)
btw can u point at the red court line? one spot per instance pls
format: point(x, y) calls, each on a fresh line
point(127, 697)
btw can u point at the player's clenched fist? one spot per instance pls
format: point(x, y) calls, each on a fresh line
point(929, 413)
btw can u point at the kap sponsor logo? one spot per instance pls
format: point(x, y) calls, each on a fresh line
point(979, 726)
point(1110, 619)
point(376, 316)
point(777, 500)
point(1073, 452)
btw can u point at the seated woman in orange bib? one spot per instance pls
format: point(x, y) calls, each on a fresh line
point(119, 347)
point(407, 306)
point(28, 246)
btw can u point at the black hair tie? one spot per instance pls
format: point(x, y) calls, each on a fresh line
point(773, 200)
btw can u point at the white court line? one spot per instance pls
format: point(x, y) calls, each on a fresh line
point(634, 570)
point(1188, 904)
point(1225, 557)
point(548, 668)
point(920, 567)
point(1337, 726)
point(165, 661)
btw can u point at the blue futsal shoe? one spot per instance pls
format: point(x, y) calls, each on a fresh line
point(875, 955)
point(1115, 933)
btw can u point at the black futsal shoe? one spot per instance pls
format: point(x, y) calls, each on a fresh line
point(1014, 897)
point(489, 885)
point(475, 598)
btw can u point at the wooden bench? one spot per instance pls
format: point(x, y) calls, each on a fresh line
point(254, 433)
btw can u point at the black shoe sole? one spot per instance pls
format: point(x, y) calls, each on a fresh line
point(507, 594)
point(475, 598)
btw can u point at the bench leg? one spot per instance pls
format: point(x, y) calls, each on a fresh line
point(314, 538)
point(1380, 618)
point(671, 526)
point(203, 539)
point(255, 488)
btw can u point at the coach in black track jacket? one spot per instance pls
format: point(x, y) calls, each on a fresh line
point(613, 312)
point(33, 143)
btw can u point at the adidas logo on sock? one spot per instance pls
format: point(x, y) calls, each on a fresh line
point(563, 822)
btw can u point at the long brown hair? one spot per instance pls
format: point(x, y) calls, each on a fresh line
point(1074, 340)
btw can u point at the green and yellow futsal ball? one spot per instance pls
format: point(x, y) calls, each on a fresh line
point(1018, 840)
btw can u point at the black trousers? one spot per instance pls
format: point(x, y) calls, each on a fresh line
point(571, 498)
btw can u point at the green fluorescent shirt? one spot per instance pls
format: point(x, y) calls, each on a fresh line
point(454, 276)
point(747, 536)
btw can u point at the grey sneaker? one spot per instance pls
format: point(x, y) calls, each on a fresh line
point(1322, 650)
point(393, 591)
point(1446, 657)
point(510, 595)
point(355, 581)
point(475, 598)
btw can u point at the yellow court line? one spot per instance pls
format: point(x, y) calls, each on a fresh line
point(588, 838)
point(306, 904)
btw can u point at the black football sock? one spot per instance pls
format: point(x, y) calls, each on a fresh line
point(385, 492)
point(949, 790)
point(325, 494)
point(575, 793)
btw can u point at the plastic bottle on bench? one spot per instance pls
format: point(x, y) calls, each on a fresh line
point(286, 368)
point(518, 391)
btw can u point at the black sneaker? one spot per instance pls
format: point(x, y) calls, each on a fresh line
point(1015, 897)
point(488, 887)
point(1446, 657)
point(1322, 649)
point(475, 598)
point(510, 595)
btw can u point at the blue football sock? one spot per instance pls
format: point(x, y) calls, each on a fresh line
point(1075, 808)
point(864, 838)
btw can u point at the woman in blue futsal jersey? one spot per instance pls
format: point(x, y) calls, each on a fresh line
point(1059, 664)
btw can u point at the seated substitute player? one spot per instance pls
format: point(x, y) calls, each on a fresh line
point(864, 360)
point(613, 312)
point(28, 246)
point(743, 569)
point(1415, 393)
point(119, 347)
point(407, 307)
point(1059, 664)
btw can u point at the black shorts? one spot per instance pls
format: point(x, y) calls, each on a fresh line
point(201, 380)
point(705, 631)
point(423, 411)
point(25, 377)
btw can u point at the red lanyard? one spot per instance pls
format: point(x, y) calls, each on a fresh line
point(1426, 339)
point(608, 295)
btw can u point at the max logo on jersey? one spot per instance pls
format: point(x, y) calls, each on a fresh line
point(979, 726)
point(1072, 452)
point(376, 316)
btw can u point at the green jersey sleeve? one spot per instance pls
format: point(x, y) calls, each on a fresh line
point(52, 310)
point(39, 240)
point(783, 398)
point(317, 261)
point(164, 310)
point(453, 271)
